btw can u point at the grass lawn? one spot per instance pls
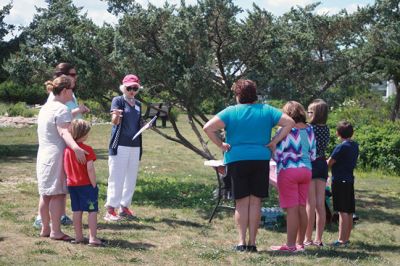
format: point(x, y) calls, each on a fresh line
point(173, 201)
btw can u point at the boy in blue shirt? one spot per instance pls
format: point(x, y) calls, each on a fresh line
point(342, 161)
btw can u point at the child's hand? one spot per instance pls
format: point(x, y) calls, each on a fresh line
point(225, 147)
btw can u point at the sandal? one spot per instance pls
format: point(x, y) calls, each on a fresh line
point(240, 248)
point(251, 248)
point(338, 243)
point(308, 243)
point(284, 248)
point(65, 237)
point(76, 242)
point(318, 244)
point(97, 244)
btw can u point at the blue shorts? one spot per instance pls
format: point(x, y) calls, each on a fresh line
point(320, 169)
point(84, 198)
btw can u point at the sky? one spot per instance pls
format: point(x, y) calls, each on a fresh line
point(23, 10)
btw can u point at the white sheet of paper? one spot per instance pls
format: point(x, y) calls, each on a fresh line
point(144, 127)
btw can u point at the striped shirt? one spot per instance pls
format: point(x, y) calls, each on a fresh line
point(297, 149)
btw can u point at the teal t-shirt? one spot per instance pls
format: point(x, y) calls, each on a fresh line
point(248, 130)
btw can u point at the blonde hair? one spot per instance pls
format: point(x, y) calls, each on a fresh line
point(58, 84)
point(296, 111)
point(79, 128)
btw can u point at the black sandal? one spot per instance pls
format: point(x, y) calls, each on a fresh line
point(251, 249)
point(240, 248)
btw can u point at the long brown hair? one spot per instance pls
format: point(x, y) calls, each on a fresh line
point(319, 109)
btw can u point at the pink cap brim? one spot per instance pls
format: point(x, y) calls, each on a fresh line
point(128, 84)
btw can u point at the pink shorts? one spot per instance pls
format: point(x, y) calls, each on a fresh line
point(293, 186)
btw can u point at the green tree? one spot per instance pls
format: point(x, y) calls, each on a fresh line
point(188, 56)
point(316, 52)
point(384, 44)
point(60, 33)
point(6, 47)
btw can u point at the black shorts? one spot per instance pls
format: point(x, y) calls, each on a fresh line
point(319, 169)
point(343, 196)
point(250, 177)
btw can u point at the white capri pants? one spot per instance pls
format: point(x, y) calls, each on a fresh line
point(123, 170)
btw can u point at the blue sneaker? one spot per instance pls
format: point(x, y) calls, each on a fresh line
point(65, 220)
point(337, 243)
point(38, 222)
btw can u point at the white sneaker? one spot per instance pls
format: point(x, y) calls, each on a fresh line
point(112, 217)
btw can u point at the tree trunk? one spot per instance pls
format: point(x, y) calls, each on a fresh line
point(396, 105)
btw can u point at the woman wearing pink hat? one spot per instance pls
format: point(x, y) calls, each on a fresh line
point(124, 153)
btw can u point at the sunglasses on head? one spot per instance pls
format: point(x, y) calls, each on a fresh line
point(132, 88)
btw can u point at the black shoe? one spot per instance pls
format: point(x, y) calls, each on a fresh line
point(240, 248)
point(251, 249)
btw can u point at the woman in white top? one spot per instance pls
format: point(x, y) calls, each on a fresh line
point(53, 135)
point(77, 111)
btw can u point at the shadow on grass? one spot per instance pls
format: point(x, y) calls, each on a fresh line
point(119, 226)
point(347, 253)
point(18, 152)
point(123, 244)
point(183, 193)
point(173, 222)
point(369, 207)
point(375, 248)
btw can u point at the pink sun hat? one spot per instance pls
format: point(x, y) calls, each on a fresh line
point(131, 80)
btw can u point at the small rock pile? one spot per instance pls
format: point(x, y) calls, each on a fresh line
point(17, 121)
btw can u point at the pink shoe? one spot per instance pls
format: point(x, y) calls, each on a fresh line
point(284, 248)
point(300, 248)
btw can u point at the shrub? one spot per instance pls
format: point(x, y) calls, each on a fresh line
point(12, 92)
point(377, 136)
point(379, 146)
point(20, 109)
point(97, 110)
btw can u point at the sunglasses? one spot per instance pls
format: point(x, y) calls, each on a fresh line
point(72, 74)
point(132, 88)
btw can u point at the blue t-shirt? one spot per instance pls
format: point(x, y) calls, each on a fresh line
point(130, 122)
point(248, 131)
point(345, 155)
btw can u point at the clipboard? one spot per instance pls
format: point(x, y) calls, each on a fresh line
point(145, 127)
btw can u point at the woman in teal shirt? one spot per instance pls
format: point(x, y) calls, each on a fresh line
point(247, 151)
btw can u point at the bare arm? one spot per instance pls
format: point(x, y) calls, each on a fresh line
point(286, 123)
point(66, 135)
point(116, 116)
point(331, 162)
point(91, 173)
point(211, 128)
point(82, 109)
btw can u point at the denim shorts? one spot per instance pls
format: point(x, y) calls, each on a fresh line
point(319, 169)
point(84, 198)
